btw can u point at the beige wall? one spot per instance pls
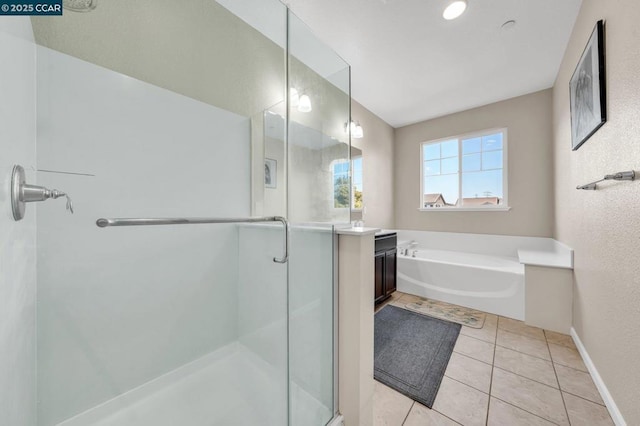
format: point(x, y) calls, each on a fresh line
point(602, 226)
point(377, 167)
point(528, 119)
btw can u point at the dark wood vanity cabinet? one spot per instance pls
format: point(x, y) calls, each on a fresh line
point(385, 266)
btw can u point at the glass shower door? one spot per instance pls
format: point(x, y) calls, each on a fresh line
point(318, 200)
point(145, 110)
point(164, 109)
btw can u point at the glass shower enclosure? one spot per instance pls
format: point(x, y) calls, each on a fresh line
point(195, 109)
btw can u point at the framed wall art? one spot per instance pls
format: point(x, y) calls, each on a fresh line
point(270, 173)
point(587, 90)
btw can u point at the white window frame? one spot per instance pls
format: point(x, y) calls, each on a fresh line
point(505, 173)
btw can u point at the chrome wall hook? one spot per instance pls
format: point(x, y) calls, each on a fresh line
point(22, 193)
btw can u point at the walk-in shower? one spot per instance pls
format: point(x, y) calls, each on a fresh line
point(168, 113)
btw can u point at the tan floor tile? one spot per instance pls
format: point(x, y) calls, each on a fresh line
point(491, 320)
point(397, 294)
point(395, 297)
point(461, 403)
point(503, 414)
point(519, 327)
point(421, 416)
point(525, 365)
point(578, 383)
point(486, 333)
point(520, 343)
point(478, 349)
point(531, 396)
point(586, 413)
point(390, 407)
point(567, 357)
point(559, 339)
point(469, 371)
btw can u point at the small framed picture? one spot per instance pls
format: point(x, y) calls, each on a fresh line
point(587, 90)
point(270, 173)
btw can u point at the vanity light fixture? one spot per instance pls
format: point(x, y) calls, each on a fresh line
point(357, 132)
point(304, 104)
point(294, 97)
point(454, 9)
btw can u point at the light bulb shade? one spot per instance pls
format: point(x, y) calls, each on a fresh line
point(358, 132)
point(455, 9)
point(294, 98)
point(304, 104)
point(354, 128)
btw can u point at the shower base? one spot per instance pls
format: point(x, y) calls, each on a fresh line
point(231, 386)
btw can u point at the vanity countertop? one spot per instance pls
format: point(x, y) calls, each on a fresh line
point(357, 231)
point(383, 232)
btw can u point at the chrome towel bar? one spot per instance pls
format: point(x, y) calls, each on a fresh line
point(104, 223)
point(630, 175)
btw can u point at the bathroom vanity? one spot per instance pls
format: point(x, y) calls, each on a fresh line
point(385, 265)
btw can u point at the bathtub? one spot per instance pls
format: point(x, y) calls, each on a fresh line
point(486, 272)
point(488, 283)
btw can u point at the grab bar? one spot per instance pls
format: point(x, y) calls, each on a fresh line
point(630, 175)
point(104, 223)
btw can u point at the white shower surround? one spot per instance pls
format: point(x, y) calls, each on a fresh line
point(484, 272)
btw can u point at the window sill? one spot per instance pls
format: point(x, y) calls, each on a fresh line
point(466, 209)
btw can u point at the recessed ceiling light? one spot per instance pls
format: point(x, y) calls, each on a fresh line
point(455, 9)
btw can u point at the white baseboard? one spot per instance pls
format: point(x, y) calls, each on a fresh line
point(615, 413)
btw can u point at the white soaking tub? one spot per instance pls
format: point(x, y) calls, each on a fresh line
point(488, 283)
point(486, 272)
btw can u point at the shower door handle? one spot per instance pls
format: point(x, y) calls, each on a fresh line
point(104, 223)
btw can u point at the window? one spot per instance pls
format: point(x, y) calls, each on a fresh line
point(342, 197)
point(357, 183)
point(465, 172)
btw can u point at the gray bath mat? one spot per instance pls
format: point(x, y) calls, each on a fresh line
point(411, 352)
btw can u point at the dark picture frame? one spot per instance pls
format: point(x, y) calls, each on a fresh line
point(587, 90)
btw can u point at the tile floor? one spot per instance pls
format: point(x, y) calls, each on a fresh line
point(505, 374)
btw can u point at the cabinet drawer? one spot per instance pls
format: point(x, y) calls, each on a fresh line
point(386, 242)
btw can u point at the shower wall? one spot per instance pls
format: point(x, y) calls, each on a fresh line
point(156, 123)
point(166, 118)
point(18, 248)
point(119, 307)
point(196, 48)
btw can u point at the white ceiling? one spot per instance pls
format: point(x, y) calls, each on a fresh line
point(409, 64)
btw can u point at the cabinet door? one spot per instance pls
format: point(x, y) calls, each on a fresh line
point(379, 276)
point(390, 272)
